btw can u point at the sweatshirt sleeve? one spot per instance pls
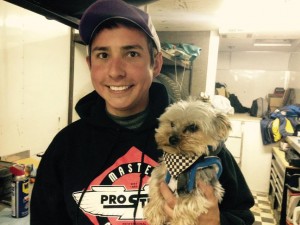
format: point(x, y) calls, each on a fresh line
point(47, 205)
point(238, 199)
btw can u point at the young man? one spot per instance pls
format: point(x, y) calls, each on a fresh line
point(95, 171)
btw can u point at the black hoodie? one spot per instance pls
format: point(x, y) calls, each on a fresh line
point(96, 172)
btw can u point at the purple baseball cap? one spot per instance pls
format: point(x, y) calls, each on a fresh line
point(103, 10)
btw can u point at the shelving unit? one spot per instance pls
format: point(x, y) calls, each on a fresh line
point(173, 67)
point(246, 146)
point(170, 60)
point(280, 170)
point(234, 142)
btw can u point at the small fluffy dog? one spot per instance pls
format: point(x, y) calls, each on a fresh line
point(188, 131)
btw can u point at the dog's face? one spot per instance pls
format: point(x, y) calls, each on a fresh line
point(188, 127)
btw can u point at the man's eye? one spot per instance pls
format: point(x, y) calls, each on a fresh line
point(102, 55)
point(133, 54)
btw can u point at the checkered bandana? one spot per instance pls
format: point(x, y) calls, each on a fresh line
point(176, 164)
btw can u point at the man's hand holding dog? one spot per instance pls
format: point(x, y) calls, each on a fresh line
point(212, 217)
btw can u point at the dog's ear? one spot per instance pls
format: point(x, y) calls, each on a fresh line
point(222, 125)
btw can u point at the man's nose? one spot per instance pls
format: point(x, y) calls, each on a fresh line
point(116, 67)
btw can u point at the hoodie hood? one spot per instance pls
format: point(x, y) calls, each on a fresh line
point(92, 106)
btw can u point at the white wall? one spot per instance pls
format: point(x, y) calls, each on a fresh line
point(82, 80)
point(294, 64)
point(34, 73)
point(251, 75)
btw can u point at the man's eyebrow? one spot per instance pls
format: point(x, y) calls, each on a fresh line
point(130, 47)
point(99, 49)
point(126, 47)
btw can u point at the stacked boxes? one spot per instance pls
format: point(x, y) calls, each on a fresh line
point(275, 102)
point(276, 99)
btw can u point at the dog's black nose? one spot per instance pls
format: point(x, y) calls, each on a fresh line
point(174, 140)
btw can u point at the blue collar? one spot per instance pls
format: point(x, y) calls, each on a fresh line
point(190, 172)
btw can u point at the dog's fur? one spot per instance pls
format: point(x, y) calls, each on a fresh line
point(195, 124)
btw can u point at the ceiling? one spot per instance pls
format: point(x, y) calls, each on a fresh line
point(240, 23)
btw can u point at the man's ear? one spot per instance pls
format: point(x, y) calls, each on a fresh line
point(88, 61)
point(158, 62)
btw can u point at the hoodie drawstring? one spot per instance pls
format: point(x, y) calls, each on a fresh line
point(142, 175)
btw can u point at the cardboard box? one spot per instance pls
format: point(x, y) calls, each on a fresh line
point(275, 100)
point(273, 108)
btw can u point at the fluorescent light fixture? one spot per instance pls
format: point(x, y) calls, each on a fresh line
point(272, 43)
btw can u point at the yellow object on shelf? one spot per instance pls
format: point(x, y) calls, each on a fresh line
point(28, 161)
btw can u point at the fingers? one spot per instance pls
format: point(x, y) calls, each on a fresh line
point(211, 217)
point(170, 199)
point(206, 189)
point(213, 214)
point(168, 210)
point(208, 192)
point(167, 195)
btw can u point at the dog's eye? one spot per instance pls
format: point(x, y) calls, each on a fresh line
point(172, 124)
point(191, 128)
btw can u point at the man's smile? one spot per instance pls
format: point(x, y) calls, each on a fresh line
point(119, 88)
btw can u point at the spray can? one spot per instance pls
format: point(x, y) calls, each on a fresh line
point(19, 192)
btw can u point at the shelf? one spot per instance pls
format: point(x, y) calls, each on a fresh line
point(278, 188)
point(294, 142)
point(170, 60)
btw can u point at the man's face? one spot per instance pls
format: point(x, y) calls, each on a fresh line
point(121, 71)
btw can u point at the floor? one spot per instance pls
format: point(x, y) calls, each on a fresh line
point(262, 210)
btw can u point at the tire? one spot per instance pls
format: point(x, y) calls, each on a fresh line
point(171, 86)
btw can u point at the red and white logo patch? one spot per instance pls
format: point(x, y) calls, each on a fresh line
point(114, 193)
